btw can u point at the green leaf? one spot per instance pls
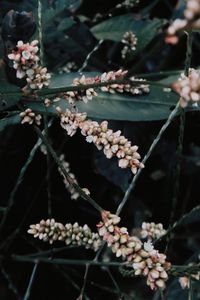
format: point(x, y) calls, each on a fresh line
point(59, 9)
point(156, 105)
point(114, 29)
point(9, 95)
point(10, 120)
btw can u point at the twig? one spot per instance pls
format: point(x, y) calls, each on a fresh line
point(11, 286)
point(178, 223)
point(19, 181)
point(40, 32)
point(57, 268)
point(28, 291)
point(48, 176)
point(180, 139)
point(81, 87)
point(60, 261)
point(67, 176)
point(153, 145)
point(88, 266)
point(119, 292)
point(85, 63)
point(190, 291)
point(84, 281)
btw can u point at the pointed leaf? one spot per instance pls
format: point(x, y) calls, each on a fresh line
point(155, 105)
point(114, 29)
point(11, 120)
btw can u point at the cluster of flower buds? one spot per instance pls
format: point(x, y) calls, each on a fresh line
point(130, 41)
point(69, 67)
point(135, 89)
point(146, 261)
point(153, 265)
point(26, 62)
point(112, 143)
point(72, 234)
point(192, 11)
point(28, 116)
point(185, 280)
point(188, 87)
point(38, 78)
point(191, 21)
point(117, 237)
point(73, 96)
point(71, 121)
point(24, 58)
point(73, 193)
point(152, 231)
point(128, 4)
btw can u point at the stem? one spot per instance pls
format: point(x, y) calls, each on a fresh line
point(188, 53)
point(19, 181)
point(67, 176)
point(40, 32)
point(28, 291)
point(178, 223)
point(181, 137)
point(190, 291)
point(85, 63)
point(120, 294)
point(153, 145)
point(48, 176)
point(59, 261)
point(82, 87)
point(84, 281)
point(11, 286)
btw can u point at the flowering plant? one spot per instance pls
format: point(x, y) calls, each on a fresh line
point(96, 95)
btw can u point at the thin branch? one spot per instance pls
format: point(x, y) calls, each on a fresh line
point(84, 281)
point(28, 291)
point(67, 176)
point(81, 87)
point(19, 181)
point(40, 32)
point(60, 261)
point(175, 269)
point(179, 222)
point(119, 292)
point(48, 175)
point(85, 63)
point(190, 291)
point(153, 145)
point(11, 285)
point(55, 267)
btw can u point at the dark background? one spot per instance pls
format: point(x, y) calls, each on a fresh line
point(150, 201)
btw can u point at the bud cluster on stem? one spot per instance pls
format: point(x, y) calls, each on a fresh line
point(191, 21)
point(27, 64)
point(28, 116)
point(72, 234)
point(144, 258)
point(112, 143)
point(87, 94)
point(130, 41)
point(188, 87)
point(152, 231)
